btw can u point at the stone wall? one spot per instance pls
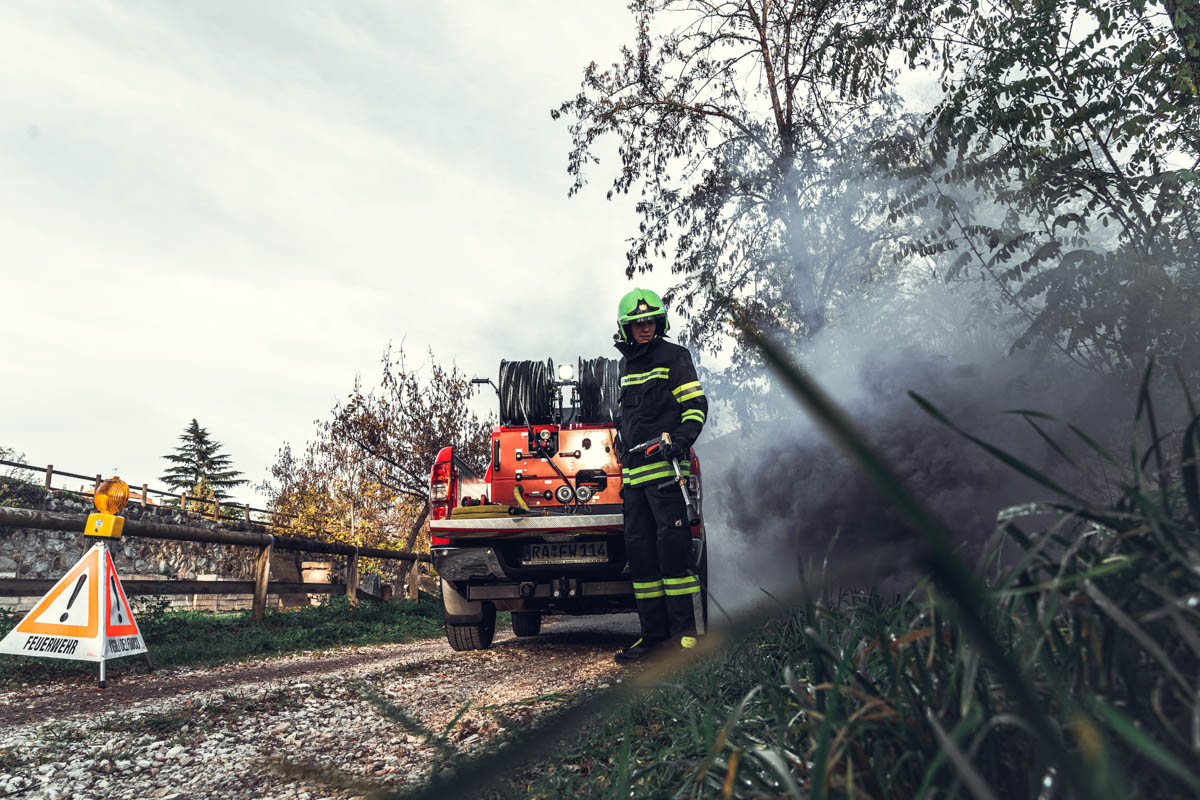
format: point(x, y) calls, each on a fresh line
point(48, 554)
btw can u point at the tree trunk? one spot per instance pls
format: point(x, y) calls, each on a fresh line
point(812, 309)
point(416, 528)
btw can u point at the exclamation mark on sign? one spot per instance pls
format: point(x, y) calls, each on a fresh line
point(112, 581)
point(78, 585)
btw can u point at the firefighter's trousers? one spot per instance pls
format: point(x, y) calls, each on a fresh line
point(658, 542)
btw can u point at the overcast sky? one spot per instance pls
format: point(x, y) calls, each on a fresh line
point(226, 210)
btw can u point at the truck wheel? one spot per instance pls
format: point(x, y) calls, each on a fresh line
point(526, 623)
point(473, 637)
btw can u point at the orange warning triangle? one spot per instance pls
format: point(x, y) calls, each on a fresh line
point(71, 607)
point(85, 616)
point(118, 618)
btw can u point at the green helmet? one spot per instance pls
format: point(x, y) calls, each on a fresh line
point(640, 304)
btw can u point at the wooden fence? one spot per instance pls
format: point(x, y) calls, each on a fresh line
point(265, 543)
point(143, 495)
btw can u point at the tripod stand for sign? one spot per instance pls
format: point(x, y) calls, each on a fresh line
point(85, 616)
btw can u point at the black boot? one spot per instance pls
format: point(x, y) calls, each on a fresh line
point(636, 651)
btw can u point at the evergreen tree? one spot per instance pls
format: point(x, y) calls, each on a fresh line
point(199, 462)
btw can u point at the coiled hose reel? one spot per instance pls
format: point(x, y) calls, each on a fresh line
point(527, 392)
point(599, 387)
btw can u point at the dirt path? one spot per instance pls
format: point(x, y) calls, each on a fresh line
point(304, 727)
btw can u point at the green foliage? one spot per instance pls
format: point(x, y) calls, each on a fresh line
point(200, 468)
point(366, 475)
point(1063, 165)
point(177, 638)
point(17, 493)
point(748, 130)
point(16, 490)
point(776, 171)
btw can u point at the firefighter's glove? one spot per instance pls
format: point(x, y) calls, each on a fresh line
point(675, 451)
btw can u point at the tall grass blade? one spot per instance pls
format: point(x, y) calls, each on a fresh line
point(1133, 629)
point(462, 712)
point(1144, 390)
point(1189, 474)
point(1049, 440)
point(1183, 384)
point(621, 781)
point(776, 763)
point(973, 780)
point(1123, 727)
point(405, 720)
point(733, 718)
point(730, 774)
point(967, 694)
point(1094, 445)
point(1012, 461)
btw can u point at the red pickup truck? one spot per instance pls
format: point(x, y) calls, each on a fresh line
point(541, 531)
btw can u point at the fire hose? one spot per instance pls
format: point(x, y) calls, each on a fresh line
point(526, 392)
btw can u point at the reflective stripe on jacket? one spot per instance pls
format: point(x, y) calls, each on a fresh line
point(660, 392)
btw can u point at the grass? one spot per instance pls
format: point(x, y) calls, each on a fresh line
point(179, 638)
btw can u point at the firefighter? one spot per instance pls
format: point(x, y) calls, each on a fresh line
point(660, 394)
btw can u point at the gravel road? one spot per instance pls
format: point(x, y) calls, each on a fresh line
point(304, 727)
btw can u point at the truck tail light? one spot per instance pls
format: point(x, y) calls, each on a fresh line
point(443, 485)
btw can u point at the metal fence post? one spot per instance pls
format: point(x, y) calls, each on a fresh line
point(96, 485)
point(262, 574)
point(49, 475)
point(145, 495)
point(216, 509)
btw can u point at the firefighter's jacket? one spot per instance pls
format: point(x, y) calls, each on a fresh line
point(660, 393)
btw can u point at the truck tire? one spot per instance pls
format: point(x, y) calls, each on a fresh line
point(473, 637)
point(526, 623)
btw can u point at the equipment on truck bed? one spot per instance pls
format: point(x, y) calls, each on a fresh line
point(599, 388)
point(529, 392)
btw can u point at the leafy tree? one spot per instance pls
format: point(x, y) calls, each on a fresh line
point(199, 465)
point(1063, 159)
point(16, 487)
point(748, 131)
point(12, 454)
point(367, 472)
point(324, 493)
point(394, 434)
point(1061, 163)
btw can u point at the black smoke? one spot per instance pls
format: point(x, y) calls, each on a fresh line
point(779, 492)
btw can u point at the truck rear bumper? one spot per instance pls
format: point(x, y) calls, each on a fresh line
point(473, 575)
point(564, 588)
point(496, 526)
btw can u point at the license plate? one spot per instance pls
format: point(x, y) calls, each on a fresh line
point(566, 553)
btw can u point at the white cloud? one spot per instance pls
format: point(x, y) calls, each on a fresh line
point(227, 211)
